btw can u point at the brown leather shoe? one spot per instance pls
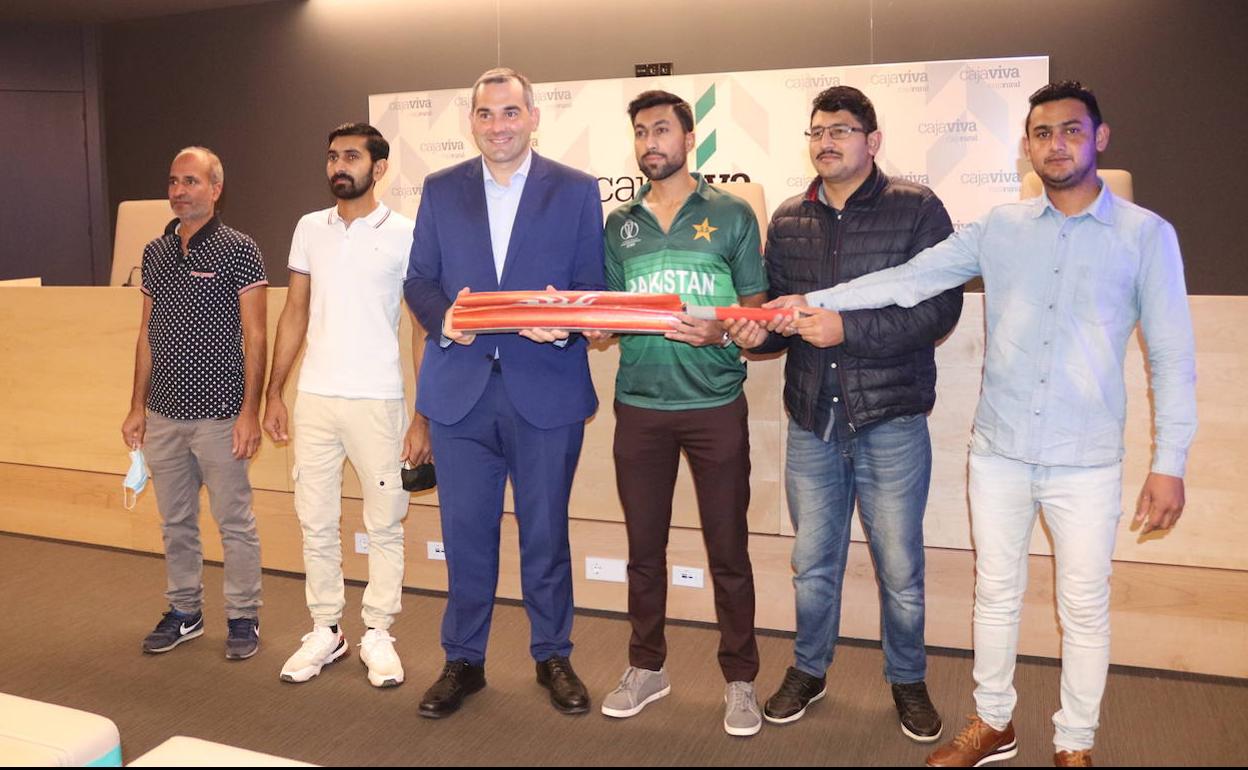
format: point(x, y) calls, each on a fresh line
point(977, 744)
point(1082, 758)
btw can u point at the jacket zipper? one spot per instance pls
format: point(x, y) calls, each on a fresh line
point(836, 277)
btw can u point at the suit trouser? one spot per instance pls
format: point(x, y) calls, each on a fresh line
point(1081, 507)
point(475, 457)
point(368, 432)
point(648, 443)
point(184, 455)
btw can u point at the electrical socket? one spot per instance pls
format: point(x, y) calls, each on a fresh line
point(361, 542)
point(688, 577)
point(436, 551)
point(607, 570)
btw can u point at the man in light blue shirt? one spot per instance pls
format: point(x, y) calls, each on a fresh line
point(1066, 276)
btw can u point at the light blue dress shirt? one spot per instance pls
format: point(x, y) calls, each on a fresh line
point(1062, 296)
point(501, 203)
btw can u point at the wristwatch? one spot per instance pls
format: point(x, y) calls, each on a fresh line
point(726, 341)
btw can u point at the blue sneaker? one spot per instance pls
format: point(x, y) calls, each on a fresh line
point(243, 639)
point(173, 629)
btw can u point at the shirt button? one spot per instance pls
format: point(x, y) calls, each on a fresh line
point(1037, 411)
point(1050, 307)
point(833, 365)
point(1057, 270)
point(836, 400)
point(1043, 380)
point(1046, 342)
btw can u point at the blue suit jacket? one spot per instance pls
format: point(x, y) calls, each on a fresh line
point(556, 240)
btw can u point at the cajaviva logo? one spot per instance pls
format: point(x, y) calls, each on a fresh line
point(912, 176)
point(448, 145)
point(415, 103)
point(906, 78)
point(949, 127)
point(999, 76)
point(812, 81)
point(543, 96)
point(624, 188)
point(988, 178)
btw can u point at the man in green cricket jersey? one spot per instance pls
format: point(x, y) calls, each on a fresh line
point(682, 390)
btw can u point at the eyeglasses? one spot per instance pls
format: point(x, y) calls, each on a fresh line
point(838, 132)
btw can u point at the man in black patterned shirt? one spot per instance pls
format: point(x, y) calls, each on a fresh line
point(198, 376)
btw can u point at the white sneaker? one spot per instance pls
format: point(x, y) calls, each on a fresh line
point(377, 652)
point(321, 646)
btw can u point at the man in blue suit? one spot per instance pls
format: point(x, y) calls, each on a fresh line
point(504, 405)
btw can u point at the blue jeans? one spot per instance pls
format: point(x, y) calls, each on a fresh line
point(886, 470)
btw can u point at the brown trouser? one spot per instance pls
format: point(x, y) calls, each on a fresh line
point(647, 454)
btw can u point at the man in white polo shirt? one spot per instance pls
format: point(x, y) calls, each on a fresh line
point(346, 286)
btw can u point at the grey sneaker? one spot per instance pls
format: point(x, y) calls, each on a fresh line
point(638, 687)
point(741, 715)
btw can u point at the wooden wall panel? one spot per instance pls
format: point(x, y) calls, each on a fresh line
point(67, 356)
point(66, 368)
point(1176, 618)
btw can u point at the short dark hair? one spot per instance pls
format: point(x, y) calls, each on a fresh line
point(1065, 89)
point(378, 147)
point(503, 75)
point(647, 99)
point(851, 100)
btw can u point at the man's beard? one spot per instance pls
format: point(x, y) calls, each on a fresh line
point(669, 167)
point(352, 189)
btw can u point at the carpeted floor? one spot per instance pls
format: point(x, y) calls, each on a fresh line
point(74, 617)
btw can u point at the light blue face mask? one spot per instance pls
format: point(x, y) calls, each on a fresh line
point(136, 479)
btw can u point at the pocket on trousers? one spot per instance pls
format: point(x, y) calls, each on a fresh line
point(389, 482)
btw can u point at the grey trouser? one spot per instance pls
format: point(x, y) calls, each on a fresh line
point(184, 455)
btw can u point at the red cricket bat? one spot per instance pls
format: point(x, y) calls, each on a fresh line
point(510, 318)
point(759, 314)
point(570, 298)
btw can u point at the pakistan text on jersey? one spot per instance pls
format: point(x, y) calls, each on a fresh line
point(674, 282)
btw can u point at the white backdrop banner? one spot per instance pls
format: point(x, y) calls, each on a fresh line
point(954, 126)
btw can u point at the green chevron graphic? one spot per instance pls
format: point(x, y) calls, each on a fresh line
point(705, 103)
point(706, 149)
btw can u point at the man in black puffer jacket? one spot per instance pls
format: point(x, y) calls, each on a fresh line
point(858, 388)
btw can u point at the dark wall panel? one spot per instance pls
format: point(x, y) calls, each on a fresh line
point(51, 201)
point(43, 201)
point(40, 57)
point(263, 84)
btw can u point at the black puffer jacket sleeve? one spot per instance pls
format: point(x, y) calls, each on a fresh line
point(895, 331)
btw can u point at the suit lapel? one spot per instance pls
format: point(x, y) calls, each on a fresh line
point(478, 221)
point(526, 214)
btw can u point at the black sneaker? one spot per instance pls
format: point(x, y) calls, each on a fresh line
point(173, 629)
point(797, 691)
point(919, 720)
point(243, 639)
